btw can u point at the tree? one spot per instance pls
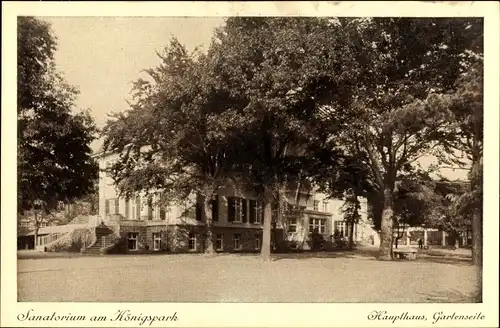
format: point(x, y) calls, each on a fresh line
point(451, 221)
point(465, 142)
point(275, 66)
point(402, 64)
point(54, 156)
point(174, 140)
point(417, 203)
point(350, 210)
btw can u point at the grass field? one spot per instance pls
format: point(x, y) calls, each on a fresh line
point(350, 276)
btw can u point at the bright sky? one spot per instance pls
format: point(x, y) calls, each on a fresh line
point(103, 55)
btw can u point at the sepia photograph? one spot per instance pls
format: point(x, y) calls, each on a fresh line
point(250, 159)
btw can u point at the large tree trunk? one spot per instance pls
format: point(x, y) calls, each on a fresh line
point(386, 235)
point(477, 215)
point(36, 238)
point(265, 252)
point(477, 239)
point(375, 208)
point(351, 235)
point(477, 250)
point(206, 217)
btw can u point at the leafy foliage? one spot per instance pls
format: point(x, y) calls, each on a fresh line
point(276, 65)
point(277, 101)
point(465, 144)
point(53, 143)
point(351, 207)
point(54, 155)
point(403, 64)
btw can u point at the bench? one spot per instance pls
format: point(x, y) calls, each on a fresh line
point(408, 253)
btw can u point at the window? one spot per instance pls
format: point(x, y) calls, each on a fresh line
point(156, 241)
point(325, 206)
point(255, 211)
point(192, 241)
point(257, 242)
point(292, 225)
point(237, 242)
point(198, 209)
point(112, 202)
point(165, 213)
point(286, 207)
point(189, 209)
point(215, 209)
point(132, 241)
point(236, 211)
point(244, 210)
point(340, 228)
point(137, 208)
point(219, 242)
point(150, 208)
point(317, 225)
point(316, 205)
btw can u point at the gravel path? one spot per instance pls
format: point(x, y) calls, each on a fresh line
point(348, 277)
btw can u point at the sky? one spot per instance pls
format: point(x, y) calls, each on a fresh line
point(101, 56)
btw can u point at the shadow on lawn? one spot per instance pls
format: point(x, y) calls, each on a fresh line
point(460, 261)
point(368, 254)
point(452, 296)
point(371, 254)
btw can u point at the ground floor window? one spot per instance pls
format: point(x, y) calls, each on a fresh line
point(132, 241)
point(340, 229)
point(192, 241)
point(219, 242)
point(317, 225)
point(156, 241)
point(237, 242)
point(257, 242)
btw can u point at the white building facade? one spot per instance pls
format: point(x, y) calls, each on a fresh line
point(237, 220)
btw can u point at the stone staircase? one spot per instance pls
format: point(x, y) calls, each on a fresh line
point(100, 232)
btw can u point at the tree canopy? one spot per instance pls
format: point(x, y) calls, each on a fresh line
point(403, 64)
point(54, 154)
point(276, 100)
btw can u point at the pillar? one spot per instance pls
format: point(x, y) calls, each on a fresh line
point(425, 237)
point(407, 239)
point(443, 242)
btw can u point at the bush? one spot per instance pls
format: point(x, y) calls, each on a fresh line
point(317, 241)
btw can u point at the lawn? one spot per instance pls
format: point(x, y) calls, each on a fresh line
point(322, 277)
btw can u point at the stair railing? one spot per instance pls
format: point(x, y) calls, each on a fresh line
point(52, 240)
point(48, 239)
